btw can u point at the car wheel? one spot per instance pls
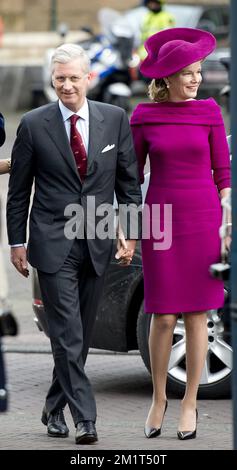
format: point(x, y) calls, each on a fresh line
point(216, 375)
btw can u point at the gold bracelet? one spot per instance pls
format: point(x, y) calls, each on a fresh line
point(9, 165)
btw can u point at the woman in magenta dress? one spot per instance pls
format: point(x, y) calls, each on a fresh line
point(190, 170)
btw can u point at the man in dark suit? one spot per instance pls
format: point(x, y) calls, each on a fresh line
point(74, 150)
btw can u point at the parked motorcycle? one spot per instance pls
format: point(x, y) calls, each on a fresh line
point(113, 66)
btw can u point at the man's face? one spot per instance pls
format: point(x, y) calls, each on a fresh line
point(71, 82)
point(154, 6)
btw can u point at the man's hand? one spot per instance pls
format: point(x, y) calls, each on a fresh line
point(18, 258)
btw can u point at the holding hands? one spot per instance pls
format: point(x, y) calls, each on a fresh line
point(125, 249)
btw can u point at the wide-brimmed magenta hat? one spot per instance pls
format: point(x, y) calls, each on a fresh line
point(172, 49)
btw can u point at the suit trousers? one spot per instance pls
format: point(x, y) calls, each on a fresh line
point(71, 297)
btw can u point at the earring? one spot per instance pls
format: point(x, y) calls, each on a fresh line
point(167, 85)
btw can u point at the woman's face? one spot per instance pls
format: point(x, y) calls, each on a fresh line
point(184, 84)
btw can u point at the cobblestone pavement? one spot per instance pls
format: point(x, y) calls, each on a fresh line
point(123, 392)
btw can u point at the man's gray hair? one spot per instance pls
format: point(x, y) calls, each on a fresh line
point(67, 52)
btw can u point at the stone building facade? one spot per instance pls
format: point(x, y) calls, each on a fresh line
point(43, 15)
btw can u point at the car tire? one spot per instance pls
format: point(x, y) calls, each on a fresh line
point(217, 389)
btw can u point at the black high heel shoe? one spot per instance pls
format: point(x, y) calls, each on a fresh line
point(152, 431)
point(184, 435)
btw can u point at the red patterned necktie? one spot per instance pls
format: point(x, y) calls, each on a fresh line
point(78, 148)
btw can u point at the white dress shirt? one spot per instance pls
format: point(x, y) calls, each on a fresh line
point(82, 123)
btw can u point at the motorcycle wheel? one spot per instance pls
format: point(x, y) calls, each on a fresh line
point(116, 100)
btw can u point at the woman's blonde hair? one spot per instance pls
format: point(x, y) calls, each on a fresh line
point(157, 90)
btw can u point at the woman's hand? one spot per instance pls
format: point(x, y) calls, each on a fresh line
point(5, 166)
point(226, 227)
point(226, 242)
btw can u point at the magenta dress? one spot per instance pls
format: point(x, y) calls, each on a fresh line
point(189, 164)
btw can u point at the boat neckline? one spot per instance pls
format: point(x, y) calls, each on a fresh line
point(180, 103)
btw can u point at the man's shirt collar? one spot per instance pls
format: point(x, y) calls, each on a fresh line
point(83, 112)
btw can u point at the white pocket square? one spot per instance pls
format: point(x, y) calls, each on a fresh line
point(107, 148)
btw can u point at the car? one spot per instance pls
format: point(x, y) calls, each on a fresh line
point(215, 74)
point(121, 326)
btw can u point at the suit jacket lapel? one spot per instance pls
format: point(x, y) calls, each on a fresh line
point(56, 129)
point(96, 133)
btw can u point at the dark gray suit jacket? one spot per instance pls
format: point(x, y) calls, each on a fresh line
point(42, 154)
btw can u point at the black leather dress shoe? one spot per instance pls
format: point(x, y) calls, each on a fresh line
point(185, 435)
point(86, 432)
point(55, 422)
point(151, 431)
